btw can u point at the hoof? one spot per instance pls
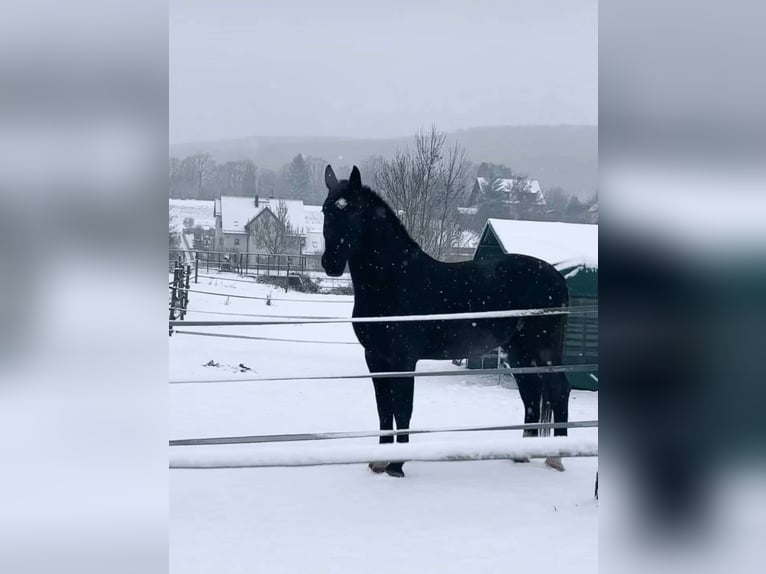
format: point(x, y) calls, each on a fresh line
point(555, 463)
point(521, 459)
point(395, 469)
point(377, 467)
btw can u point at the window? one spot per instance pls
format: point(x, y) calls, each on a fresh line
point(236, 241)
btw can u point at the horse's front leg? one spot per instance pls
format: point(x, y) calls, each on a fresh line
point(393, 397)
point(384, 402)
point(384, 398)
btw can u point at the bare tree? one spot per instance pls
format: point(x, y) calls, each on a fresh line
point(235, 178)
point(452, 186)
point(195, 170)
point(273, 231)
point(424, 186)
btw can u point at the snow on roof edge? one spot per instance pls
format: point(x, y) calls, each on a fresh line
point(564, 245)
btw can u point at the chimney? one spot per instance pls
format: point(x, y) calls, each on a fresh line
point(256, 200)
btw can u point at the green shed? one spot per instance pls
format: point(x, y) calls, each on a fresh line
point(573, 249)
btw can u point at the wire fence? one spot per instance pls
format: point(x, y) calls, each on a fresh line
point(404, 452)
point(261, 315)
point(268, 298)
point(517, 313)
point(399, 374)
point(337, 435)
point(273, 339)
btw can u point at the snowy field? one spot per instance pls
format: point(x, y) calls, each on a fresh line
point(198, 209)
point(445, 517)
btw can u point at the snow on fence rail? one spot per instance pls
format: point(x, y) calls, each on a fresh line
point(400, 374)
point(296, 437)
point(270, 456)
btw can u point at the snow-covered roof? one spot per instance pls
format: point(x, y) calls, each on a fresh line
point(561, 244)
point(314, 218)
point(236, 212)
point(513, 187)
point(505, 185)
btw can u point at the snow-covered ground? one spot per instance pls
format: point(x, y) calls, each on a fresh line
point(198, 209)
point(445, 517)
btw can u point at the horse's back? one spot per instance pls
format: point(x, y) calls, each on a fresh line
point(502, 283)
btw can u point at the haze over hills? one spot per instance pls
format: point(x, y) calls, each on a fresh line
point(559, 156)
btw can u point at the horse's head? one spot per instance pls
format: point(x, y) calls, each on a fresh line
point(342, 220)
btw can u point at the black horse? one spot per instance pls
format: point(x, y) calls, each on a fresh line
point(392, 275)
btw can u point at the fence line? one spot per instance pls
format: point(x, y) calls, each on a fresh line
point(401, 374)
point(529, 447)
point(260, 315)
point(295, 437)
point(222, 278)
point(275, 339)
point(257, 298)
point(253, 280)
point(410, 318)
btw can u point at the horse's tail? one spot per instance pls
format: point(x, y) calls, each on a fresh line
point(546, 412)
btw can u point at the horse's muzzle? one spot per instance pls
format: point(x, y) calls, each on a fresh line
point(332, 268)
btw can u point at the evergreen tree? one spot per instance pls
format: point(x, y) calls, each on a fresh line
point(494, 171)
point(492, 200)
point(299, 178)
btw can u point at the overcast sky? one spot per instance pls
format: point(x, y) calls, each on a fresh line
point(380, 68)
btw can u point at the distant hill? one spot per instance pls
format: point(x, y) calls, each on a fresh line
point(559, 156)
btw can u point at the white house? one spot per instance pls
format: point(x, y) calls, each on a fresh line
point(314, 234)
point(234, 217)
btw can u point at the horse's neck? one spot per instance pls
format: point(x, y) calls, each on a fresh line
point(386, 260)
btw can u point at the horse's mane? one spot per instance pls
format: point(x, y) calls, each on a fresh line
point(374, 202)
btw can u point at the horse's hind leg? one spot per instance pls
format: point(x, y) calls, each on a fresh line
point(403, 390)
point(530, 385)
point(530, 389)
point(385, 403)
point(558, 395)
point(556, 385)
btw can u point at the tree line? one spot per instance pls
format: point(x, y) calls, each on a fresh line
point(426, 183)
point(199, 176)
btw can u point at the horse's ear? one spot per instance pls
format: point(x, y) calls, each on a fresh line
point(355, 179)
point(329, 177)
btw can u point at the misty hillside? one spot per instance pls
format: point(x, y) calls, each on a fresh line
point(563, 156)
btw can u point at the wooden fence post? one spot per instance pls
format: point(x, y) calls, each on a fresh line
point(186, 292)
point(173, 298)
point(196, 266)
